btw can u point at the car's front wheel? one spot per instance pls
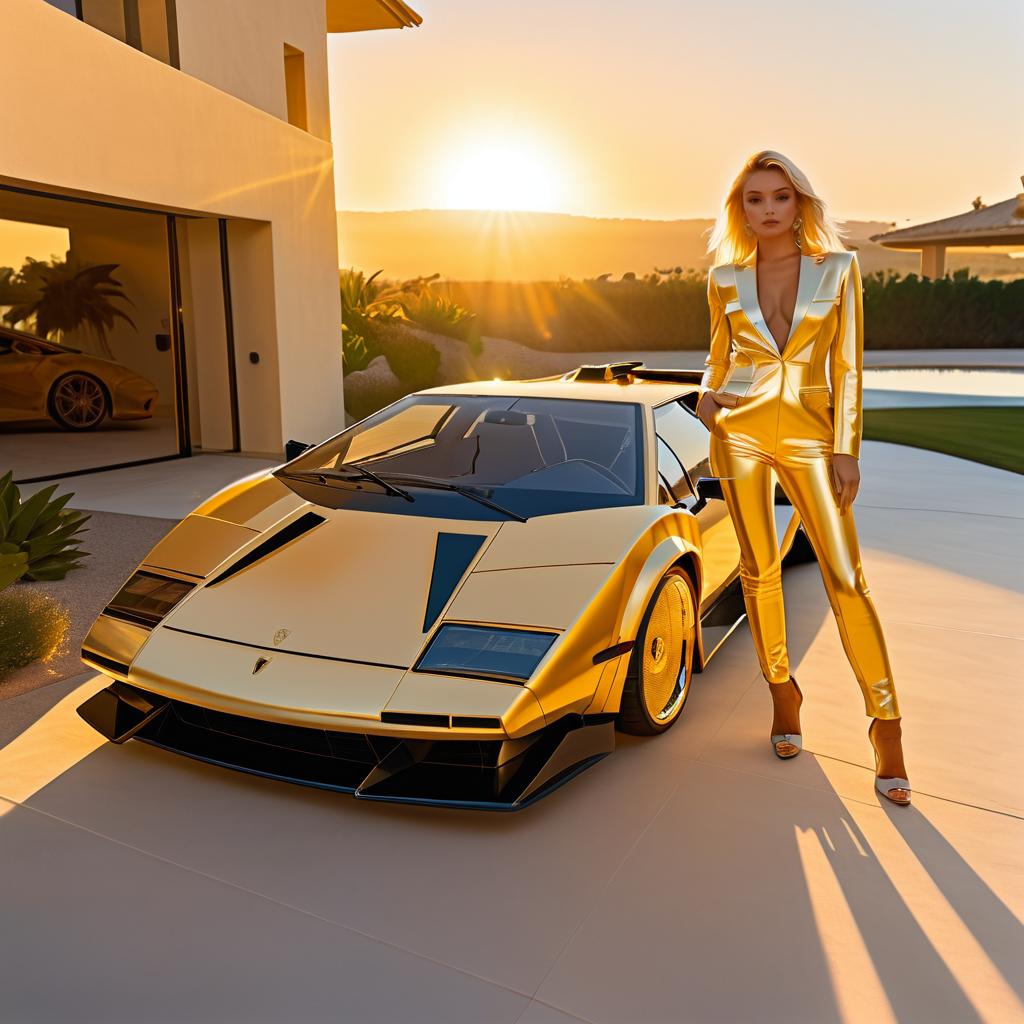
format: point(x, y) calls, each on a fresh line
point(661, 663)
point(78, 401)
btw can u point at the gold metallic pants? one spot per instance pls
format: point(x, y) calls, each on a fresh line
point(802, 467)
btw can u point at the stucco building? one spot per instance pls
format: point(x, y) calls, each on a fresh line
point(186, 144)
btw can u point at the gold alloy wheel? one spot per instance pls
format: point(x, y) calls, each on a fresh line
point(661, 668)
point(78, 402)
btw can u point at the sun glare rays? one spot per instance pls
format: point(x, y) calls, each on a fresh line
point(502, 173)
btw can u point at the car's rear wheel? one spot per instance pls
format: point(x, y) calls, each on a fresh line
point(78, 401)
point(661, 663)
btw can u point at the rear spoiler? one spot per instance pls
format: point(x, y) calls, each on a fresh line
point(626, 372)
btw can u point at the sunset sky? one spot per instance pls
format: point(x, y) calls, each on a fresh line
point(897, 111)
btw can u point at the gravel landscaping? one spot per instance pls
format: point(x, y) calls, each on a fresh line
point(117, 543)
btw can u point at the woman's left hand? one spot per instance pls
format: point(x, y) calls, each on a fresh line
point(845, 470)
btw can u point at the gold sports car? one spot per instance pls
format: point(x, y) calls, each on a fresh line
point(454, 601)
point(40, 379)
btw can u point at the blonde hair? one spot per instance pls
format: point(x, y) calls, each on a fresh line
point(730, 242)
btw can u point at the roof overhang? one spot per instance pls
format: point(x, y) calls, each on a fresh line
point(367, 15)
point(1006, 239)
point(999, 224)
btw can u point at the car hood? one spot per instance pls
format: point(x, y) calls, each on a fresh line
point(108, 369)
point(370, 587)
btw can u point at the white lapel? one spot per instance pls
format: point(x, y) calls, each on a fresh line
point(746, 292)
point(811, 272)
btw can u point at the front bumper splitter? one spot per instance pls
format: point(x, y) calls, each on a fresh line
point(500, 775)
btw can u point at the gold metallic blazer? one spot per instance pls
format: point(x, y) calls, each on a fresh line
point(811, 390)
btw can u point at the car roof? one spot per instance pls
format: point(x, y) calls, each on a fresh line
point(12, 334)
point(622, 389)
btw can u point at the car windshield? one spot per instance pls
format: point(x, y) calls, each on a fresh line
point(37, 346)
point(530, 456)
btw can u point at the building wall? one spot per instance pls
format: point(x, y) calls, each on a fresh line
point(203, 302)
point(133, 129)
point(252, 66)
point(298, 368)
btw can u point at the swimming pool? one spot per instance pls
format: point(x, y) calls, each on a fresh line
point(899, 387)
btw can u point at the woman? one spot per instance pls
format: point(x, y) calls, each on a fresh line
point(786, 302)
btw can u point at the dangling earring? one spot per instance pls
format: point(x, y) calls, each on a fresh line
point(797, 224)
point(746, 227)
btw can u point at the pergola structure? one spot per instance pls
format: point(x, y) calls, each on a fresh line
point(1001, 224)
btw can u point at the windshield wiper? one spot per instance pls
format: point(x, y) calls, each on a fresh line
point(447, 485)
point(358, 473)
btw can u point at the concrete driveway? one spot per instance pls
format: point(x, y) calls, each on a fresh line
point(691, 877)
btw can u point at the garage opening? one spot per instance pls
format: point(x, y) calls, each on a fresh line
point(116, 345)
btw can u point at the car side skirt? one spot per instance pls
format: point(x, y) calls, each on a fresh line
point(500, 775)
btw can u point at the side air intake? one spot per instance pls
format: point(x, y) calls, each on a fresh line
point(116, 667)
point(413, 718)
point(294, 530)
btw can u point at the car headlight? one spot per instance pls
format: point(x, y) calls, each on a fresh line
point(146, 598)
point(507, 654)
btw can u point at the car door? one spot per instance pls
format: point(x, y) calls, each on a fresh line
point(19, 384)
point(682, 459)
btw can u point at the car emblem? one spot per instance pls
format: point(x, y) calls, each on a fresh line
point(281, 635)
point(261, 664)
point(658, 648)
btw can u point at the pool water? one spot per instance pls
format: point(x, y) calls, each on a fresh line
point(901, 387)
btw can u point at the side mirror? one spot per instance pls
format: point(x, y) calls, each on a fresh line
point(690, 401)
point(709, 487)
point(293, 449)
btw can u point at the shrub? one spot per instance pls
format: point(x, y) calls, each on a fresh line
point(668, 309)
point(373, 312)
point(414, 361)
point(957, 311)
point(364, 304)
point(438, 313)
point(413, 364)
point(32, 628)
point(356, 351)
point(43, 529)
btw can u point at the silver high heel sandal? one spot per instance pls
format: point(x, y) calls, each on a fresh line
point(886, 786)
point(792, 738)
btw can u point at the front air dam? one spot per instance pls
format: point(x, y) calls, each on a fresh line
point(497, 775)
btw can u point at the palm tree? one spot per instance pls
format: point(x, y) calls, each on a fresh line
point(62, 296)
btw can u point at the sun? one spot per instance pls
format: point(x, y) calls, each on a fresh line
point(503, 174)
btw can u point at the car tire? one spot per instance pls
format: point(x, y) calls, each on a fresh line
point(78, 401)
point(661, 664)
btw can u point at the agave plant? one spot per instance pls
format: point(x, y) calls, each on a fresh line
point(63, 295)
point(440, 314)
point(41, 529)
point(367, 297)
point(13, 564)
point(360, 306)
point(367, 306)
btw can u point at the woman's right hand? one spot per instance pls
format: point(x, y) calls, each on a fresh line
point(707, 405)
